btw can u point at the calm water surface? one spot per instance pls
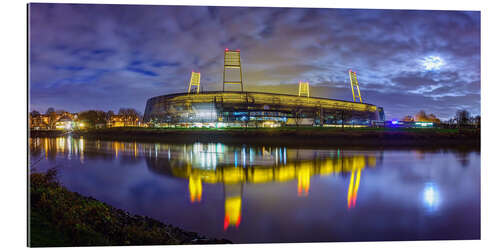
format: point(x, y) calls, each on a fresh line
point(277, 194)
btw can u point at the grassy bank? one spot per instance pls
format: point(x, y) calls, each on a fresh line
point(314, 136)
point(59, 217)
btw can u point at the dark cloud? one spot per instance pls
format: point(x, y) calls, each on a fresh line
point(110, 56)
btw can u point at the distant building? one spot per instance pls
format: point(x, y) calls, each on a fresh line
point(39, 122)
point(403, 124)
point(122, 121)
point(64, 123)
point(60, 120)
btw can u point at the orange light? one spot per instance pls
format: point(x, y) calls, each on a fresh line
point(226, 222)
point(238, 221)
point(353, 188)
point(195, 189)
point(233, 212)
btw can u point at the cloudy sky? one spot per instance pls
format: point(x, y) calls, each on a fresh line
point(110, 56)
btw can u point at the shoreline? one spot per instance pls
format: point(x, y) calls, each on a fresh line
point(352, 137)
point(59, 217)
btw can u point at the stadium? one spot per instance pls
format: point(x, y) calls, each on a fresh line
point(256, 109)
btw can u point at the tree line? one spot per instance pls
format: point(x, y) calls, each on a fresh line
point(462, 119)
point(91, 117)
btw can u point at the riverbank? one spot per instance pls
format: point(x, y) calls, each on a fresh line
point(303, 136)
point(59, 217)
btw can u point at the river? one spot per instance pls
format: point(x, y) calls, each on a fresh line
point(263, 194)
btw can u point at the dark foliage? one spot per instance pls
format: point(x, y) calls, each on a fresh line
point(85, 221)
point(92, 117)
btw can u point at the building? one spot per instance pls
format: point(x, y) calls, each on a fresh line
point(122, 121)
point(255, 109)
point(64, 123)
point(404, 124)
point(56, 120)
point(39, 122)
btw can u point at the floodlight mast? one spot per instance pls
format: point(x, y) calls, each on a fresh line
point(232, 61)
point(195, 82)
point(303, 88)
point(354, 83)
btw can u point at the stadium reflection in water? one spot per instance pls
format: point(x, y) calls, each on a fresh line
point(241, 169)
point(234, 166)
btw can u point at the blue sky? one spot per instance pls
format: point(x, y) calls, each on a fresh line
point(111, 56)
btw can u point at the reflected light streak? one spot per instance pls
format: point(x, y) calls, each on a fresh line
point(69, 147)
point(235, 159)
point(431, 197)
point(46, 147)
point(115, 145)
point(195, 189)
point(81, 148)
point(284, 157)
point(303, 179)
point(232, 215)
point(352, 194)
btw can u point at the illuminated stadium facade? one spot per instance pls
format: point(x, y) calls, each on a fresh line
point(256, 109)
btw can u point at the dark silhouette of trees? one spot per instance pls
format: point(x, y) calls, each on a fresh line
point(109, 114)
point(477, 121)
point(61, 111)
point(129, 114)
point(50, 110)
point(92, 117)
point(53, 117)
point(35, 113)
point(433, 118)
point(462, 117)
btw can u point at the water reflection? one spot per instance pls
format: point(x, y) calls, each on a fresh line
point(252, 186)
point(431, 197)
point(205, 164)
point(233, 166)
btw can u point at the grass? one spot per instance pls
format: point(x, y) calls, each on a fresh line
point(292, 129)
point(294, 136)
point(59, 217)
point(44, 234)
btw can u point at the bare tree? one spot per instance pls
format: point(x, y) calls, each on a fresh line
point(131, 115)
point(53, 117)
point(463, 117)
point(477, 121)
point(34, 113)
point(109, 114)
point(50, 110)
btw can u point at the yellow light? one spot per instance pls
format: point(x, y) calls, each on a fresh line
point(233, 212)
point(353, 189)
point(233, 175)
point(304, 179)
point(195, 189)
point(261, 175)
